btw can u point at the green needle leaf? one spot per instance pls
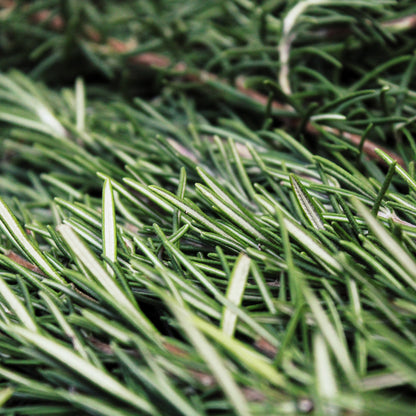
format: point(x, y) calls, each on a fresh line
point(331, 337)
point(109, 225)
point(307, 204)
point(211, 357)
point(23, 242)
point(390, 244)
point(84, 368)
point(88, 259)
point(17, 306)
point(235, 291)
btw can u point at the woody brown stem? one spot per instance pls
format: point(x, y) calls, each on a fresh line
point(158, 61)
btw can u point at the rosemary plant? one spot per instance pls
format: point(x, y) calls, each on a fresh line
point(207, 208)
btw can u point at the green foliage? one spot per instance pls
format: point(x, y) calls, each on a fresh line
point(172, 243)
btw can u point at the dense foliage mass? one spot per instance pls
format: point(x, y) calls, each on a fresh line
point(207, 207)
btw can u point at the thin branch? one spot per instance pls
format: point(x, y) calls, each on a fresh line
point(23, 262)
point(401, 24)
point(157, 61)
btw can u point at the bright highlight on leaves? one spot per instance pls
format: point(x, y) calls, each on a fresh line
point(235, 291)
